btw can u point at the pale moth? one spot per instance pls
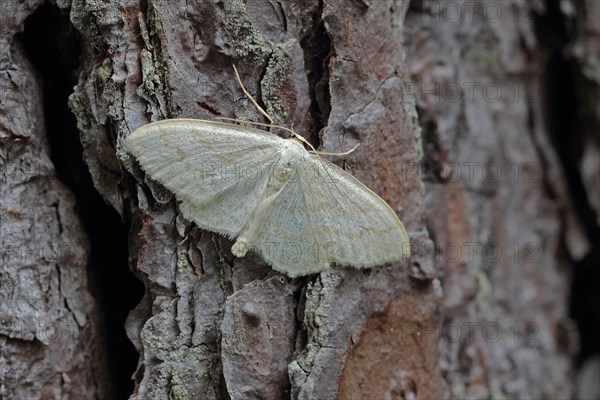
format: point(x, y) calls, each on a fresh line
point(299, 212)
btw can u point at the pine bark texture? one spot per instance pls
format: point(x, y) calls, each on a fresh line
point(499, 205)
point(341, 72)
point(212, 325)
point(50, 341)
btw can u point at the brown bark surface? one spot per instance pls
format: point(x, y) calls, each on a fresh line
point(209, 314)
point(454, 120)
point(500, 200)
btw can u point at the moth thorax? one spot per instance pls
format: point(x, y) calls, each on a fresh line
point(287, 162)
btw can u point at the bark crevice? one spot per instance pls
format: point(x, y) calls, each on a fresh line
point(316, 46)
point(565, 85)
point(53, 47)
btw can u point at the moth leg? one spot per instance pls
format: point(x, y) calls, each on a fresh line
point(240, 248)
point(243, 242)
point(249, 96)
point(249, 232)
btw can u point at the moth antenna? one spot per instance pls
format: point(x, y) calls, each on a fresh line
point(324, 153)
point(271, 125)
point(249, 96)
point(291, 132)
point(239, 121)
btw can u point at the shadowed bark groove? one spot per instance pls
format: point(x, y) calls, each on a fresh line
point(53, 47)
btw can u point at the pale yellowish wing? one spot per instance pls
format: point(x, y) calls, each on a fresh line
point(218, 171)
point(301, 213)
point(323, 215)
point(366, 231)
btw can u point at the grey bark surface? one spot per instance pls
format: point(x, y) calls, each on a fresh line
point(341, 73)
point(50, 342)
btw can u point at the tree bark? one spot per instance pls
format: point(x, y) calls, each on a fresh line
point(50, 341)
point(480, 311)
point(508, 224)
point(213, 325)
